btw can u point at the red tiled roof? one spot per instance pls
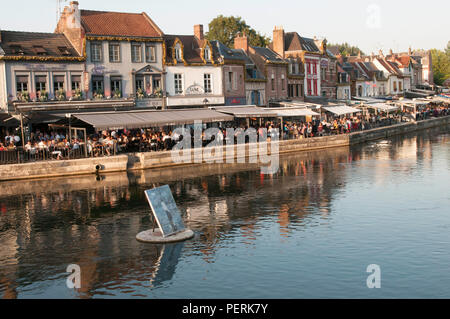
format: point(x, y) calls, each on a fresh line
point(119, 24)
point(404, 61)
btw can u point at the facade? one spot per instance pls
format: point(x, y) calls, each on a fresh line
point(292, 45)
point(124, 53)
point(275, 71)
point(328, 70)
point(234, 70)
point(343, 86)
point(194, 71)
point(38, 68)
point(254, 78)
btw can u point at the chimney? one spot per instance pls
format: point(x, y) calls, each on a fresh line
point(69, 24)
point(409, 51)
point(278, 41)
point(391, 52)
point(241, 42)
point(380, 54)
point(198, 31)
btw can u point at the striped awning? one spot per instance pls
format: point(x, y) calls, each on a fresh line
point(149, 118)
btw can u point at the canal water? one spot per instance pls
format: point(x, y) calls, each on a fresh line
point(310, 231)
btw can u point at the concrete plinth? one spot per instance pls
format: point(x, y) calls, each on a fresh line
point(156, 237)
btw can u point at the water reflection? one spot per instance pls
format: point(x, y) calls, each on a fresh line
point(46, 225)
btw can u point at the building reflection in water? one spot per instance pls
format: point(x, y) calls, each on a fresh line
point(46, 225)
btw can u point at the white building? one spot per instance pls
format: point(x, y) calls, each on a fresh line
point(38, 67)
point(124, 53)
point(194, 71)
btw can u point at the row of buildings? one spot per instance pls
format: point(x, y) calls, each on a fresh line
point(96, 57)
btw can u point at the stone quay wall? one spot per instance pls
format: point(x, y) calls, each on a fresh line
point(143, 161)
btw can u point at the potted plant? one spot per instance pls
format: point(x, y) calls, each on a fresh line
point(23, 96)
point(43, 96)
point(77, 95)
point(60, 95)
point(140, 94)
point(117, 94)
point(98, 95)
point(158, 93)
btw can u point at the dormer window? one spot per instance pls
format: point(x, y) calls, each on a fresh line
point(178, 52)
point(17, 49)
point(64, 51)
point(39, 50)
point(207, 53)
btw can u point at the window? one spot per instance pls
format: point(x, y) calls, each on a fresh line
point(39, 50)
point(64, 51)
point(178, 84)
point(96, 52)
point(273, 84)
point(150, 53)
point(114, 52)
point(116, 84)
point(22, 83)
point(156, 84)
point(207, 53)
point(230, 81)
point(178, 52)
point(140, 83)
point(400, 86)
point(136, 53)
point(207, 80)
point(395, 86)
point(58, 82)
point(97, 84)
point(41, 83)
point(282, 83)
point(76, 82)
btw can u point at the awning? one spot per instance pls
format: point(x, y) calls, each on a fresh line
point(414, 102)
point(341, 109)
point(149, 118)
point(246, 111)
point(383, 107)
point(292, 112)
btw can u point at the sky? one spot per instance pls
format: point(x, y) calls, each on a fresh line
point(369, 24)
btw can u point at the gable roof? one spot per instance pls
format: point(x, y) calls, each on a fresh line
point(192, 48)
point(294, 42)
point(268, 55)
point(33, 44)
point(119, 24)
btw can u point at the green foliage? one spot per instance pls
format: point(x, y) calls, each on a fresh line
point(441, 65)
point(347, 49)
point(224, 29)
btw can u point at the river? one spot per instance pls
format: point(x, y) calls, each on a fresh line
point(310, 231)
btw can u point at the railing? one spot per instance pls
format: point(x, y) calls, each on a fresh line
point(21, 155)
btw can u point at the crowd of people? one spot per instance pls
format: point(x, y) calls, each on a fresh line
point(57, 145)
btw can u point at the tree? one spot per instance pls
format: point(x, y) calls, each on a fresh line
point(225, 29)
point(346, 49)
point(441, 65)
